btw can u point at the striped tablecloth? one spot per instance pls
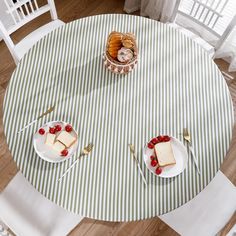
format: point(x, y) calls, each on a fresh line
point(175, 85)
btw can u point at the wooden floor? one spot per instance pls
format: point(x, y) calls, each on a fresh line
point(70, 10)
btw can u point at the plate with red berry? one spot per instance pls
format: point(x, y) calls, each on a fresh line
point(165, 156)
point(55, 141)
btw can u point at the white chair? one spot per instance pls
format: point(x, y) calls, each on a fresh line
point(27, 213)
point(22, 12)
point(208, 212)
point(204, 22)
point(4, 17)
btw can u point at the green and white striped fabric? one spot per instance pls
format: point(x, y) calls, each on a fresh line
point(174, 85)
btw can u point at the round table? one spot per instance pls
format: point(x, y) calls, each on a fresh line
point(174, 85)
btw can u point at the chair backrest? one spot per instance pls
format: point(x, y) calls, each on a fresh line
point(22, 12)
point(207, 13)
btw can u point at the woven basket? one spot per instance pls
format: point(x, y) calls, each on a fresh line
point(116, 66)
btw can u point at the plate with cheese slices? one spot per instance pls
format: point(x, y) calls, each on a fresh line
point(165, 156)
point(55, 141)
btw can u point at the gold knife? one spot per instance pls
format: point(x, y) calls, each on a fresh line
point(38, 118)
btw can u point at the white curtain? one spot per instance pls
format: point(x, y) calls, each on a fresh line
point(162, 10)
point(156, 9)
point(228, 51)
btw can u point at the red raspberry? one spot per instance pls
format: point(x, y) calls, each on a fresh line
point(154, 141)
point(160, 138)
point(150, 145)
point(154, 163)
point(158, 170)
point(52, 130)
point(68, 128)
point(57, 128)
point(64, 152)
point(152, 157)
point(166, 138)
point(41, 131)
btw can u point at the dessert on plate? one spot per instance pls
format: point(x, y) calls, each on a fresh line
point(163, 153)
point(59, 138)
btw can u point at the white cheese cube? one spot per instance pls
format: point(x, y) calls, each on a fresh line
point(164, 153)
point(50, 139)
point(66, 138)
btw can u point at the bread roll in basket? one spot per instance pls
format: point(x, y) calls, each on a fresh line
point(121, 53)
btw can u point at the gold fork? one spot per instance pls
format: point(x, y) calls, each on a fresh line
point(187, 137)
point(84, 152)
point(38, 118)
point(137, 162)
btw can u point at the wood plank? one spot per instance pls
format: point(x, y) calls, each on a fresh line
point(83, 227)
point(102, 228)
point(229, 165)
point(7, 174)
point(5, 156)
point(132, 228)
point(223, 66)
point(158, 227)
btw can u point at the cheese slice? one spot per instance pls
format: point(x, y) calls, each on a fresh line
point(66, 138)
point(58, 147)
point(164, 153)
point(50, 139)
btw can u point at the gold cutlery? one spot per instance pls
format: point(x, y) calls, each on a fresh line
point(84, 152)
point(38, 118)
point(132, 150)
point(187, 137)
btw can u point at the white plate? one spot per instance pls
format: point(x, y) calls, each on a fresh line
point(45, 151)
point(181, 158)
